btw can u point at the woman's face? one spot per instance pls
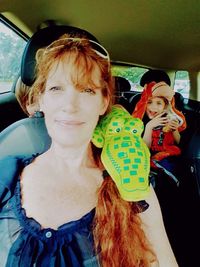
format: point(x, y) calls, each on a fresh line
point(70, 114)
point(155, 106)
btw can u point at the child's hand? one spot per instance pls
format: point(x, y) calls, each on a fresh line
point(173, 125)
point(159, 120)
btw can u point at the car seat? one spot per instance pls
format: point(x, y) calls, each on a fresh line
point(26, 136)
point(29, 135)
point(122, 86)
point(156, 76)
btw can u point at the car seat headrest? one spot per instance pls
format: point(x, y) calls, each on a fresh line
point(121, 84)
point(155, 76)
point(42, 38)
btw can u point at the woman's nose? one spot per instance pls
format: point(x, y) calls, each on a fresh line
point(70, 100)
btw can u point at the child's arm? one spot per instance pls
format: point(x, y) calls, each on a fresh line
point(157, 121)
point(177, 136)
point(174, 127)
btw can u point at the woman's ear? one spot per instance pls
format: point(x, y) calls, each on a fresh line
point(40, 102)
point(105, 104)
point(32, 108)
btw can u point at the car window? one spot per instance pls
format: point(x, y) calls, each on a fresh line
point(11, 49)
point(182, 83)
point(131, 73)
point(134, 74)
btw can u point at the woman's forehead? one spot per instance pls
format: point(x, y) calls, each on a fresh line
point(76, 71)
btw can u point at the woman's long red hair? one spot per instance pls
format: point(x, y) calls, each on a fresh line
point(118, 233)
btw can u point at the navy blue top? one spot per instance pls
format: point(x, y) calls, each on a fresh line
point(24, 243)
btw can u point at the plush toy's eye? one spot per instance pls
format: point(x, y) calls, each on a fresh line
point(134, 131)
point(118, 130)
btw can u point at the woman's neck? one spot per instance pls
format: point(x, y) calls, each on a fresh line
point(72, 157)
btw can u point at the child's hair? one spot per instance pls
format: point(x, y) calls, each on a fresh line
point(165, 100)
point(118, 235)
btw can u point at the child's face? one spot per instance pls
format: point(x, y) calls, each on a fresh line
point(155, 106)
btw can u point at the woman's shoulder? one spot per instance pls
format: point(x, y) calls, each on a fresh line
point(10, 168)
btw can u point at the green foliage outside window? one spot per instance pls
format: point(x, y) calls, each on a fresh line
point(11, 49)
point(182, 83)
point(133, 74)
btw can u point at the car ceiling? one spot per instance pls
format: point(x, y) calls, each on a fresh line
point(157, 33)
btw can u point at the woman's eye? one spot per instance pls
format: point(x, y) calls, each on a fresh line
point(89, 91)
point(55, 88)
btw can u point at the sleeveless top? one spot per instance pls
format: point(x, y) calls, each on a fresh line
point(23, 243)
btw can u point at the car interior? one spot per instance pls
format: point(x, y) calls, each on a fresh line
point(140, 36)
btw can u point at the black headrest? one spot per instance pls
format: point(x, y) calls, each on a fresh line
point(155, 76)
point(122, 84)
point(42, 38)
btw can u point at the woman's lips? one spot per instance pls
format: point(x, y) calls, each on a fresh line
point(69, 123)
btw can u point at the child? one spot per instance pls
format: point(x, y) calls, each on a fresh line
point(163, 124)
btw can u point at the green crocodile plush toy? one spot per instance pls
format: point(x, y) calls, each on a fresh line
point(124, 153)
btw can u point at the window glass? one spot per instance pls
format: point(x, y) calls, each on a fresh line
point(131, 73)
point(11, 49)
point(182, 83)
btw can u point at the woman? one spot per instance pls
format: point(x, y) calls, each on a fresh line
point(55, 204)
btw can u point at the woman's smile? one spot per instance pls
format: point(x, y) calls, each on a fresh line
point(69, 123)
